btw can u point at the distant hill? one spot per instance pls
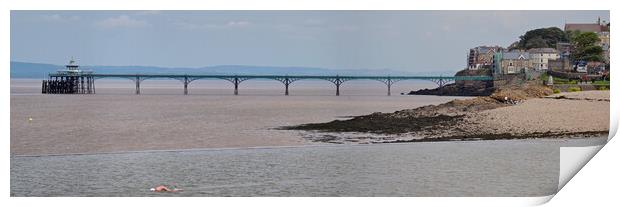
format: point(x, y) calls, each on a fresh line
point(40, 70)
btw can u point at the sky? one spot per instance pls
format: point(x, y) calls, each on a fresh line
point(412, 41)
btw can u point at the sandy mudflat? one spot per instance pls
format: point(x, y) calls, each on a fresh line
point(585, 111)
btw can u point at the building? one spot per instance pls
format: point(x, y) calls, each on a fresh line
point(588, 27)
point(482, 57)
point(563, 49)
point(539, 57)
point(593, 27)
point(600, 28)
point(560, 64)
point(511, 62)
point(604, 36)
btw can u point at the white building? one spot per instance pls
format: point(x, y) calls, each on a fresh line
point(539, 57)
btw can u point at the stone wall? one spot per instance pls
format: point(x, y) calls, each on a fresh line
point(471, 85)
point(560, 65)
point(509, 79)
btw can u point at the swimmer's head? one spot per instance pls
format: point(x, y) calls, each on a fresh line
point(152, 189)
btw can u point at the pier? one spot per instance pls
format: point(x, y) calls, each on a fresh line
point(85, 83)
point(75, 81)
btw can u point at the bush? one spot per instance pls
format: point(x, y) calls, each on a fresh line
point(603, 88)
point(574, 89)
point(556, 90)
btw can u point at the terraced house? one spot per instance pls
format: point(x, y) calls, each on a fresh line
point(539, 57)
point(482, 57)
point(511, 62)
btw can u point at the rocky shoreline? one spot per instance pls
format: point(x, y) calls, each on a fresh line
point(454, 90)
point(511, 113)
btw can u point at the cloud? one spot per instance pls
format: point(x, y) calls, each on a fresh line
point(148, 12)
point(227, 25)
point(193, 26)
point(313, 22)
point(428, 34)
point(346, 28)
point(60, 18)
point(238, 23)
point(122, 21)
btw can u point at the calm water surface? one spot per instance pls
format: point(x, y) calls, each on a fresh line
point(483, 168)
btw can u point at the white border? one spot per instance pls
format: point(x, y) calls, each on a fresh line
point(581, 189)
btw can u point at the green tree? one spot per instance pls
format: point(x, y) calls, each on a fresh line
point(571, 34)
point(543, 37)
point(536, 42)
point(585, 46)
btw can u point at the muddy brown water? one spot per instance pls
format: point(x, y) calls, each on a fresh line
point(76, 140)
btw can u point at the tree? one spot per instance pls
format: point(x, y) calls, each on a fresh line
point(586, 47)
point(571, 34)
point(543, 37)
point(536, 42)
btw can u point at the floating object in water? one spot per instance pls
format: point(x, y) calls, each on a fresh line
point(29, 119)
point(163, 188)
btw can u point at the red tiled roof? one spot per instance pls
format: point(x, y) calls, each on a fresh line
point(584, 27)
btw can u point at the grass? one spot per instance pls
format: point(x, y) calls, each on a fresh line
point(602, 88)
point(566, 81)
point(556, 90)
point(574, 89)
point(601, 82)
point(563, 81)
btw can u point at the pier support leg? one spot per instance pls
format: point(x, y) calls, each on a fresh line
point(388, 82)
point(89, 85)
point(337, 81)
point(337, 89)
point(93, 82)
point(63, 85)
point(287, 81)
point(185, 83)
point(236, 82)
point(286, 89)
point(82, 86)
point(137, 85)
